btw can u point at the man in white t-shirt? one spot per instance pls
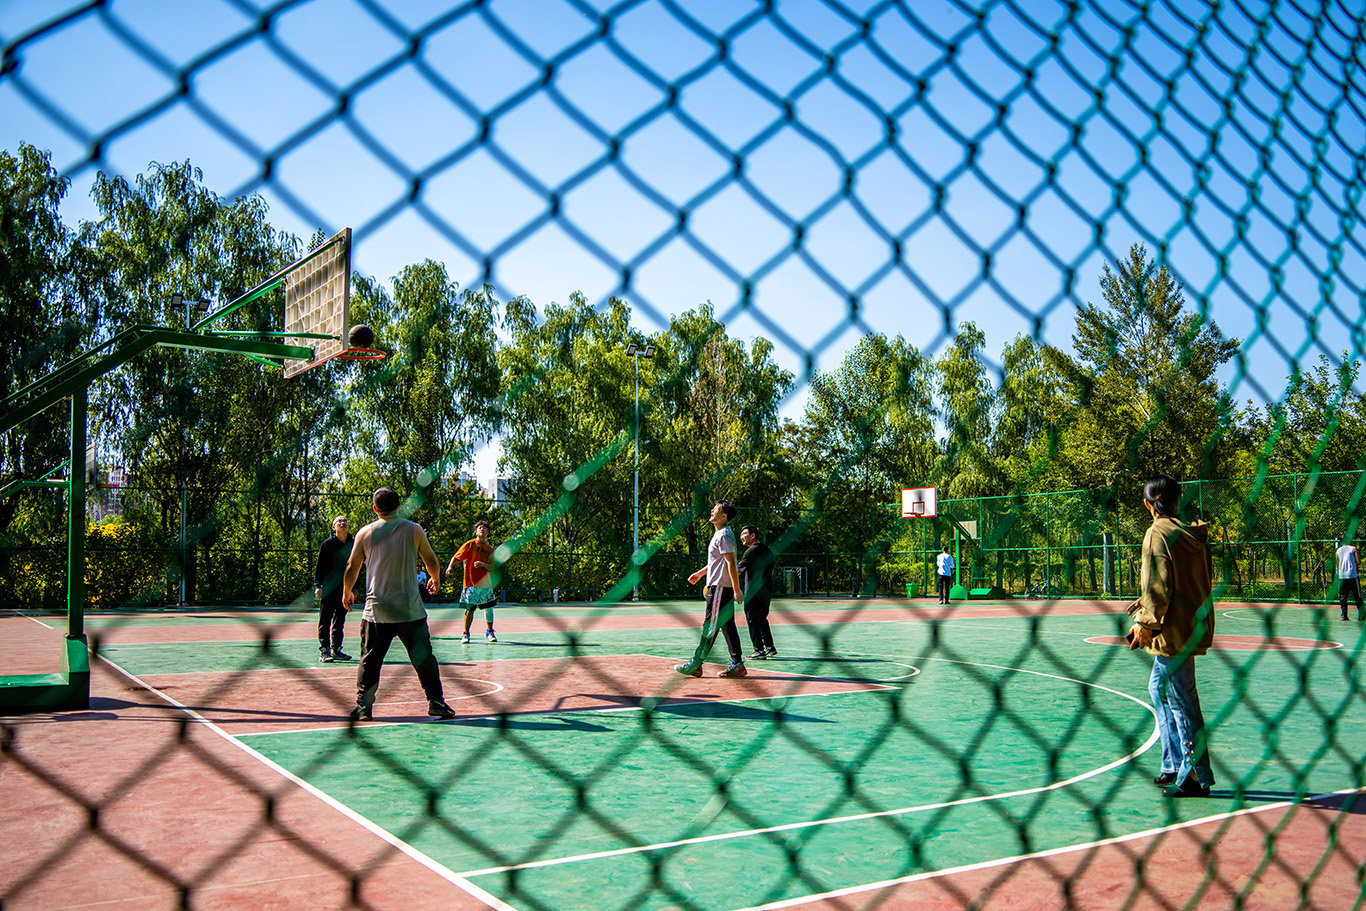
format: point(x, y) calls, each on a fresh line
point(723, 581)
point(1348, 584)
point(944, 567)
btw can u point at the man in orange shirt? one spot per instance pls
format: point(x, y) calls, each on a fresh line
point(477, 556)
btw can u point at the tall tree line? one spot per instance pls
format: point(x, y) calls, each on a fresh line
point(253, 458)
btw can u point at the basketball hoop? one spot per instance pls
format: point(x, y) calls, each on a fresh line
point(361, 354)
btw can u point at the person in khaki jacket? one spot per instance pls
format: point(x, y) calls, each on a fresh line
point(1174, 622)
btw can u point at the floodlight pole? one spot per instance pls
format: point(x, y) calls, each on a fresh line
point(636, 352)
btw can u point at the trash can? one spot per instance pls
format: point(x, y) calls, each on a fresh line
point(912, 590)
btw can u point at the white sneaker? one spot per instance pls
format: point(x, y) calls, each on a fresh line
point(490, 636)
point(465, 638)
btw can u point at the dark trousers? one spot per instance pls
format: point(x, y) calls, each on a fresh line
point(375, 639)
point(945, 583)
point(1349, 588)
point(720, 618)
point(331, 623)
point(756, 615)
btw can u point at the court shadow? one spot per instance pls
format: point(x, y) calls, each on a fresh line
point(731, 711)
point(582, 646)
point(528, 723)
point(1345, 803)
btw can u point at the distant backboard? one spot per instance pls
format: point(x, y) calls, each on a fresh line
point(318, 302)
point(918, 502)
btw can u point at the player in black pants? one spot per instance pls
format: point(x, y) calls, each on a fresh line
point(756, 571)
point(327, 577)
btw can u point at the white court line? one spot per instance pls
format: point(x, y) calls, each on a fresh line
point(374, 829)
point(1052, 852)
point(857, 817)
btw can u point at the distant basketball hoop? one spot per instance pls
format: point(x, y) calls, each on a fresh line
point(919, 502)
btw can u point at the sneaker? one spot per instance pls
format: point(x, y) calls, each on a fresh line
point(341, 655)
point(773, 653)
point(689, 670)
point(759, 653)
point(360, 713)
point(465, 638)
point(490, 636)
point(735, 670)
point(1165, 779)
point(440, 710)
point(1188, 788)
point(326, 657)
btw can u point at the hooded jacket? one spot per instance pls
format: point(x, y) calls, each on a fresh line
point(1175, 581)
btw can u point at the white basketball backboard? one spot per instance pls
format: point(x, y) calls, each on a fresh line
point(318, 301)
point(918, 502)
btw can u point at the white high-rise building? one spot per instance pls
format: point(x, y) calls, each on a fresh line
point(498, 487)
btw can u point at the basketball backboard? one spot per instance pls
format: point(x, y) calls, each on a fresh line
point(918, 502)
point(318, 302)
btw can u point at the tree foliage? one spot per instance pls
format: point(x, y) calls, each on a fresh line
point(262, 463)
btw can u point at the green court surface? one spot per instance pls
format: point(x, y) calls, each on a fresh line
point(586, 773)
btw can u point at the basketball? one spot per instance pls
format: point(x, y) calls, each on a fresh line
point(362, 336)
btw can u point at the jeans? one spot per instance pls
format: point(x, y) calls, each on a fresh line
point(1180, 723)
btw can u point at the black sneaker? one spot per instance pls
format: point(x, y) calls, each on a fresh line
point(440, 710)
point(326, 657)
point(1188, 788)
point(360, 713)
point(760, 654)
point(773, 653)
point(1165, 779)
point(341, 655)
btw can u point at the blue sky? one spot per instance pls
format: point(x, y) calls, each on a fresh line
point(1234, 138)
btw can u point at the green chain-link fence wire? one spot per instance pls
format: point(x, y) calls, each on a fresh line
point(1255, 85)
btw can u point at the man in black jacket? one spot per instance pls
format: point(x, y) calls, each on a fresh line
point(756, 571)
point(327, 577)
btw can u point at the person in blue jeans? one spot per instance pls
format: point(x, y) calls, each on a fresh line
point(1174, 622)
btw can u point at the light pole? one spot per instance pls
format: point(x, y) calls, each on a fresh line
point(637, 351)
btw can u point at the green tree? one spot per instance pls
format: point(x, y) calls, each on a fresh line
point(419, 416)
point(566, 432)
point(1035, 402)
point(43, 319)
point(207, 426)
point(967, 401)
point(1319, 424)
point(868, 429)
point(712, 422)
point(1146, 381)
point(872, 420)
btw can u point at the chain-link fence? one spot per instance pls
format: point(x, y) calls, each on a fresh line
point(895, 186)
